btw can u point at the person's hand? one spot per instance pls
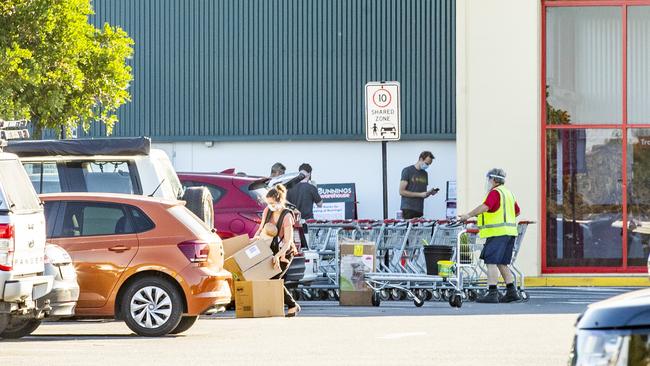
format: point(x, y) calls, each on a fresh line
point(254, 239)
point(276, 262)
point(463, 218)
point(424, 194)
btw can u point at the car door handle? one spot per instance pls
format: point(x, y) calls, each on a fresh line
point(119, 248)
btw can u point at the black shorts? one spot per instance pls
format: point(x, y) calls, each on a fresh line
point(498, 249)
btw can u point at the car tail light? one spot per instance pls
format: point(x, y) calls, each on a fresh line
point(196, 251)
point(255, 217)
point(6, 247)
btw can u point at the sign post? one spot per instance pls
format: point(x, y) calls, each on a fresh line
point(383, 121)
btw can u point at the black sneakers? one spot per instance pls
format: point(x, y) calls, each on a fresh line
point(490, 297)
point(511, 296)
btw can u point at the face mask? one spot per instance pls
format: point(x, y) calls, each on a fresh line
point(424, 166)
point(488, 185)
point(275, 207)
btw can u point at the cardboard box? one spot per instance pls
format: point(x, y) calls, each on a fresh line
point(234, 244)
point(252, 262)
point(259, 299)
point(261, 271)
point(357, 259)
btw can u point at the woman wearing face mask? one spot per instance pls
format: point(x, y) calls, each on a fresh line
point(282, 245)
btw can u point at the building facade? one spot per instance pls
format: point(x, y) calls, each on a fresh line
point(243, 84)
point(556, 93)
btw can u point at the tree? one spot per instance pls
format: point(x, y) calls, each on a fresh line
point(57, 69)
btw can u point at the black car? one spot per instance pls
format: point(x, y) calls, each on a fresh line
point(614, 332)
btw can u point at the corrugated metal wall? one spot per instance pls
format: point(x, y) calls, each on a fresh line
point(283, 69)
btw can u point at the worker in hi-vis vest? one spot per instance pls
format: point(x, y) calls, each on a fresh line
point(497, 224)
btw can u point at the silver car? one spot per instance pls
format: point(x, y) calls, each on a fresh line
point(59, 303)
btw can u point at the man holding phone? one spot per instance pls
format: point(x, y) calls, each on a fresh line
point(413, 186)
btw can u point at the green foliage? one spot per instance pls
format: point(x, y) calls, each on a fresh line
point(57, 69)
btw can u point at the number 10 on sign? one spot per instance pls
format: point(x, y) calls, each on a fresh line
point(382, 100)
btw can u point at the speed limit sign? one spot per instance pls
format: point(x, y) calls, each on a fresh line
point(382, 111)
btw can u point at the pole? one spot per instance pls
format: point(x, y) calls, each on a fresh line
point(384, 172)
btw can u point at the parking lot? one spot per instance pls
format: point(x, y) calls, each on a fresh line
point(535, 333)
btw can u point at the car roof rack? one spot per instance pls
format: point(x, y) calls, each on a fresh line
point(117, 146)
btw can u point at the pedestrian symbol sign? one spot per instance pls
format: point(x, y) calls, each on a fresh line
point(382, 111)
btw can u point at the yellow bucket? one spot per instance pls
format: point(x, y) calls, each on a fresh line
point(446, 268)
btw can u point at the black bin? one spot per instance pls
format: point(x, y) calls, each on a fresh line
point(435, 253)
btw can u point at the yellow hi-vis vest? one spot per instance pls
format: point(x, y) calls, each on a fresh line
point(502, 221)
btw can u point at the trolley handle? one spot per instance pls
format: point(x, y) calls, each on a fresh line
point(526, 222)
point(472, 231)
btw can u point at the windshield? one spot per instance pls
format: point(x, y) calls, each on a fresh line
point(170, 177)
point(16, 187)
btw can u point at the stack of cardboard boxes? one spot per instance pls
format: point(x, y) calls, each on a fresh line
point(251, 265)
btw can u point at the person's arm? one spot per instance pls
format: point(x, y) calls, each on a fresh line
point(287, 241)
point(261, 226)
point(317, 198)
point(404, 193)
point(475, 212)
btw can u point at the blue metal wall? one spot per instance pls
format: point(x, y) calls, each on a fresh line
point(282, 69)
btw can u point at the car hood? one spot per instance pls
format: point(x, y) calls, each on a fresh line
point(624, 311)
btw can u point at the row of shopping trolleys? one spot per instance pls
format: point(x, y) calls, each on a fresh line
point(400, 265)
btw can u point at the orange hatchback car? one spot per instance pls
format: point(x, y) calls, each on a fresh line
point(147, 261)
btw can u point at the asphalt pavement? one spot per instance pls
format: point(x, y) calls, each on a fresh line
point(538, 332)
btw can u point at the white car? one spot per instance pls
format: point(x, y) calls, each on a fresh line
point(111, 165)
point(22, 246)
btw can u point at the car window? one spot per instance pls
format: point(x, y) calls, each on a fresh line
point(141, 221)
point(185, 216)
point(100, 176)
point(19, 194)
point(94, 218)
point(50, 216)
point(44, 177)
point(217, 193)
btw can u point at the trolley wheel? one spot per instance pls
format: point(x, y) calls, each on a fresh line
point(384, 295)
point(418, 301)
point(446, 295)
point(456, 301)
point(410, 295)
point(376, 299)
point(472, 295)
point(307, 295)
point(331, 295)
point(435, 294)
point(322, 295)
point(337, 295)
point(403, 295)
point(395, 294)
point(428, 295)
point(524, 295)
point(296, 294)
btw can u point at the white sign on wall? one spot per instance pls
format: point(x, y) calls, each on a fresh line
point(382, 111)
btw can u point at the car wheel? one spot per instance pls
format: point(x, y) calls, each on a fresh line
point(199, 201)
point(19, 327)
point(186, 323)
point(152, 307)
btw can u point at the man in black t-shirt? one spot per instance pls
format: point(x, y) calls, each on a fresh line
point(413, 187)
point(304, 194)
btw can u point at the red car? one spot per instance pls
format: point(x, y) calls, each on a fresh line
point(238, 200)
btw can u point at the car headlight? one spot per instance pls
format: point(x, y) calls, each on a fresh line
point(601, 348)
point(611, 348)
